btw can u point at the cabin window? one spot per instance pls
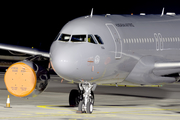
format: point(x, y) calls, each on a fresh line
point(91, 39)
point(152, 39)
point(148, 40)
point(132, 40)
point(78, 38)
point(64, 37)
point(166, 39)
point(98, 38)
point(137, 41)
point(142, 40)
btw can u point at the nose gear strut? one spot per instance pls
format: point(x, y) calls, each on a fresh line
point(87, 102)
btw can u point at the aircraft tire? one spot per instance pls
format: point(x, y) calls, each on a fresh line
point(92, 97)
point(89, 107)
point(74, 98)
point(81, 107)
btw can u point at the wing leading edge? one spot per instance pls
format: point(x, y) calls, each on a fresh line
point(21, 49)
point(167, 68)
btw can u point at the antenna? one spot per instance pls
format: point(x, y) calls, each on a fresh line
point(162, 12)
point(91, 13)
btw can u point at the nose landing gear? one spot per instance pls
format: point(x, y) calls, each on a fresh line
point(86, 104)
point(84, 97)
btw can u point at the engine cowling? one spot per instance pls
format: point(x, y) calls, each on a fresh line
point(26, 79)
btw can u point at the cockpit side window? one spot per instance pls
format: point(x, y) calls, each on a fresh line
point(57, 36)
point(64, 37)
point(99, 39)
point(91, 39)
point(78, 38)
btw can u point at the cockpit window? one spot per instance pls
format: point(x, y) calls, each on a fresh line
point(91, 39)
point(57, 37)
point(64, 37)
point(99, 39)
point(78, 38)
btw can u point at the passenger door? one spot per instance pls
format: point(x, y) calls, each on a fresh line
point(116, 38)
point(159, 41)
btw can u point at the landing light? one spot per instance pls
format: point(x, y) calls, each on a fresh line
point(142, 13)
point(107, 15)
point(171, 13)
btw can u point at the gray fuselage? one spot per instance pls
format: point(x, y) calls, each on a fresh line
point(131, 47)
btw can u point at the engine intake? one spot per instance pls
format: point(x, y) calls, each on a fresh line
point(26, 79)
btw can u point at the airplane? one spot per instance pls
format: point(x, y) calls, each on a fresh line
point(136, 50)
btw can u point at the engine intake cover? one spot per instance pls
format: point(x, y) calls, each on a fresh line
point(20, 79)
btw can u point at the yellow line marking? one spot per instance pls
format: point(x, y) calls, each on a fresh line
point(96, 114)
point(126, 111)
point(40, 113)
point(49, 115)
point(25, 114)
point(53, 107)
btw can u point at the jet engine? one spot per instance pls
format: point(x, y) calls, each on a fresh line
point(26, 79)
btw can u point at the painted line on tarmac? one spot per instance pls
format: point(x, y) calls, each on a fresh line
point(126, 113)
point(132, 112)
point(49, 115)
point(55, 107)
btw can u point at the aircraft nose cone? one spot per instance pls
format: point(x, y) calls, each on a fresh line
point(65, 61)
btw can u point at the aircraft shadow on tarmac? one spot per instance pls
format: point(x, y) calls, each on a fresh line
point(142, 96)
point(170, 105)
point(66, 106)
point(126, 105)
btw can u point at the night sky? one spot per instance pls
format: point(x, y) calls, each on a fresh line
point(37, 23)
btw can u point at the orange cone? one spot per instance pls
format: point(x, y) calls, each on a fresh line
point(8, 102)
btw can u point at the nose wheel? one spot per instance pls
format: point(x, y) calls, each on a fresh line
point(82, 108)
point(74, 98)
point(86, 104)
point(89, 107)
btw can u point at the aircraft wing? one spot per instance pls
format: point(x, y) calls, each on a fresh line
point(151, 70)
point(166, 68)
point(25, 50)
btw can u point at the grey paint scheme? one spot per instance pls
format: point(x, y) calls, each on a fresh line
point(117, 61)
point(137, 62)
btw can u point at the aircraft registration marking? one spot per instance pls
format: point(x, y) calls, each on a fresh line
point(124, 25)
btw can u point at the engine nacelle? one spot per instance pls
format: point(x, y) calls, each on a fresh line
point(26, 79)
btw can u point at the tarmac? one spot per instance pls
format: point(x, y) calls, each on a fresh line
point(115, 103)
